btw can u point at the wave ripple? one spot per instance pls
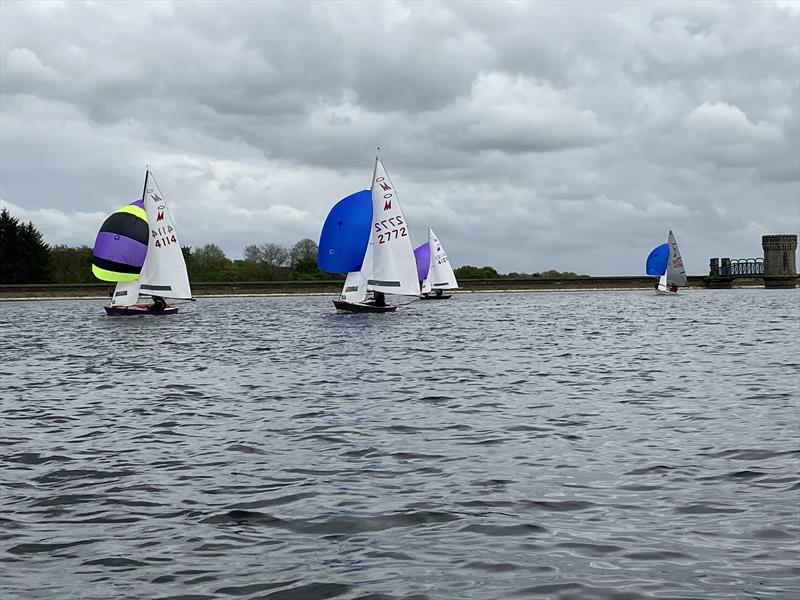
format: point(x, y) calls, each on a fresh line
point(565, 445)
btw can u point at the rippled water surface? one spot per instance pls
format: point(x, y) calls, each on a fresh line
point(550, 445)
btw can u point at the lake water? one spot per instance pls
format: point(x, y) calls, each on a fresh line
point(543, 445)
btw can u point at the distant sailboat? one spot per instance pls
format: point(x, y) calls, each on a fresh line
point(665, 262)
point(137, 247)
point(433, 269)
point(387, 264)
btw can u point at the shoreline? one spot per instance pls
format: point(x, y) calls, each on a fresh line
point(20, 293)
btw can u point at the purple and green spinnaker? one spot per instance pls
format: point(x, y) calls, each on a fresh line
point(121, 244)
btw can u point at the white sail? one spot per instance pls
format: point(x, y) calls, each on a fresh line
point(662, 283)
point(394, 269)
point(126, 293)
point(355, 285)
point(676, 274)
point(440, 273)
point(164, 270)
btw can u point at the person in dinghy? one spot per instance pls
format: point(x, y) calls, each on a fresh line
point(378, 299)
point(158, 304)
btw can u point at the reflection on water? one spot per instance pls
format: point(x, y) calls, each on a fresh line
point(553, 445)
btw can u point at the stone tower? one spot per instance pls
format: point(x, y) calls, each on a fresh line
point(780, 268)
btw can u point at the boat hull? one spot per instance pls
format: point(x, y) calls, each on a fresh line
point(133, 311)
point(358, 307)
point(435, 297)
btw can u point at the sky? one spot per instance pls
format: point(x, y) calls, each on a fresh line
point(528, 135)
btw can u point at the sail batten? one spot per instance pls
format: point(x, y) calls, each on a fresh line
point(376, 282)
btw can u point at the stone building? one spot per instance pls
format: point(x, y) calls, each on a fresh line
point(780, 267)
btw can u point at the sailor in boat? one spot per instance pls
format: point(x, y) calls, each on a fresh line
point(673, 288)
point(158, 303)
point(379, 299)
point(438, 291)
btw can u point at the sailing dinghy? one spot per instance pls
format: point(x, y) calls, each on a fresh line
point(665, 262)
point(433, 269)
point(378, 258)
point(137, 247)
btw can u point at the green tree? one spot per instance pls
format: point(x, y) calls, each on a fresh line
point(304, 251)
point(71, 265)
point(24, 256)
point(470, 272)
point(209, 263)
point(265, 262)
point(303, 260)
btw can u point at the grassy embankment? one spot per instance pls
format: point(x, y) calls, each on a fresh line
point(102, 290)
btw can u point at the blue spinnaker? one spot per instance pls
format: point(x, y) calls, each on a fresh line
point(657, 261)
point(345, 234)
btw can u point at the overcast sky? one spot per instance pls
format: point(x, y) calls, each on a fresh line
point(529, 135)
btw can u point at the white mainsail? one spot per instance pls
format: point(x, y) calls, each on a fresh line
point(393, 269)
point(164, 270)
point(676, 274)
point(440, 272)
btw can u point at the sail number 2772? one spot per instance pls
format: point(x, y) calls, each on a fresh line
point(393, 226)
point(164, 236)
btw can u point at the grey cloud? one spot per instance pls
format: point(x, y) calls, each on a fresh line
point(528, 135)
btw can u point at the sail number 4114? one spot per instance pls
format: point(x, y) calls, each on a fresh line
point(164, 236)
point(393, 226)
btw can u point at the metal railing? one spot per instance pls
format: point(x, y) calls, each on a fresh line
point(740, 267)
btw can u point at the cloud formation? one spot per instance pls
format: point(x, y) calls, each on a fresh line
point(530, 136)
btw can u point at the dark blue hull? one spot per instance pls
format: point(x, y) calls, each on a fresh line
point(133, 311)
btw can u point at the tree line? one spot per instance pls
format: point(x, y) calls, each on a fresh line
point(26, 258)
point(470, 272)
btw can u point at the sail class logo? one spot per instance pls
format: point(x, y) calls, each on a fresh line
point(387, 205)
